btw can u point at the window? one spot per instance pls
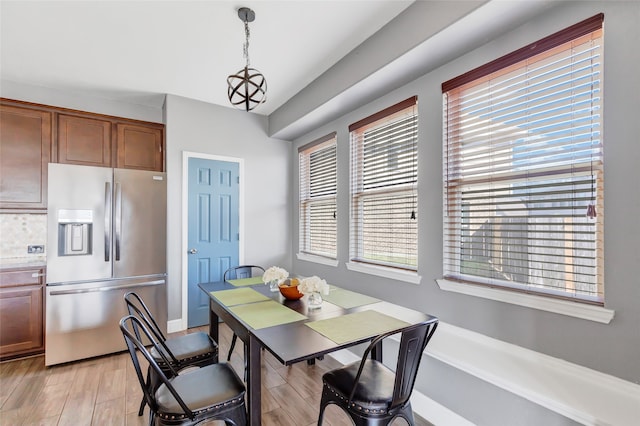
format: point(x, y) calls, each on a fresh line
point(318, 180)
point(384, 179)
point(523, 169)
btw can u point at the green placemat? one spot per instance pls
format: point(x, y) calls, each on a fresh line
point(347, 299)
point(266, 314)
point(238, 296)
point(246, 281)
point(356, 326)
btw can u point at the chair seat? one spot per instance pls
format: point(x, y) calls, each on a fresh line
point(188, 348)
point(210, 387)
point(374, 391)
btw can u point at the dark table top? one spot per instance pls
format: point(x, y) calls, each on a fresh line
point(294, 342)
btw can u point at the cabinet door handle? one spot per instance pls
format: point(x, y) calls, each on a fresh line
point(36, 275)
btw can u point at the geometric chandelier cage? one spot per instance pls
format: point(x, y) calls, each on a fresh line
point(247, 88)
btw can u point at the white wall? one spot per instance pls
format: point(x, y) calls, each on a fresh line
point(209, 129)
point(612, 348)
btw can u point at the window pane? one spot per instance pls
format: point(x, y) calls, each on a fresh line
point(389, 233)
point(321, 225)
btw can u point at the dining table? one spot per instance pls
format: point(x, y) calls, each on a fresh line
point(293, 330)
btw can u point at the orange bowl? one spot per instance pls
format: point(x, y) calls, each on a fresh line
point(290, 292)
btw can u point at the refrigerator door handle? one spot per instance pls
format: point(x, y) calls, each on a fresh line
point(118, 218)
point(107, 221)
point(106, 288)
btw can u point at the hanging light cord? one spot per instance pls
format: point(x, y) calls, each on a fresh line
point(245, 47)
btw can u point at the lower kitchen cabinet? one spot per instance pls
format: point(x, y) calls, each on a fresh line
point(21, 312)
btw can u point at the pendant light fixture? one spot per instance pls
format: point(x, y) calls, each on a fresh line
point(247, 88)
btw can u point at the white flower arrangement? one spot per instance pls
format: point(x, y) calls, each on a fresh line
point(275, 273)
point(313, 284)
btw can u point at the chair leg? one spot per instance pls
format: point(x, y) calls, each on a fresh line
point(246, 375)
point(144, 402)
point(233, 345)
point(321, 414)
point(407, 414)
point(239, 415)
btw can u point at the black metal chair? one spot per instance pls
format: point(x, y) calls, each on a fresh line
point(234, 273)
point(213, 392)
point(189, 350)
point(368, 391)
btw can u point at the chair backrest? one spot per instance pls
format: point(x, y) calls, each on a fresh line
point(131, 327)
point(242, 271)
point(412, 344)
point(136, 307)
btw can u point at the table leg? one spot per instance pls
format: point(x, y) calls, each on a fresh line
point(213, 327)
point(376, 352)
point(254, 381)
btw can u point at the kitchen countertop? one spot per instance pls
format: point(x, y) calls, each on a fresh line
point(23, 262)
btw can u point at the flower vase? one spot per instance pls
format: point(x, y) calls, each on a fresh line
point(273, 285)
point(315, 300)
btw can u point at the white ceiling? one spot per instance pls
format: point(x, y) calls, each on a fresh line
point(321, 58)
point(137, 51)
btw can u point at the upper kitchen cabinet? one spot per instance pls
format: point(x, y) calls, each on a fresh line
point(104, 141)
point(25, 151)
point(139, 147)
point(84, 140)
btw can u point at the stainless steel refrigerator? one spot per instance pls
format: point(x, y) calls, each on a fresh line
point(106, 235)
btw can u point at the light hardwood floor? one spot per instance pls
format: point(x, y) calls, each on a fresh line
point(104, 391)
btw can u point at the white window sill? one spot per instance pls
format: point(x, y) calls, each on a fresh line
point(391, 273)
point(558, 306)
point(317, 259)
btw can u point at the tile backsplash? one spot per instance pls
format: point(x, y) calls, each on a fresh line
point(17, 231)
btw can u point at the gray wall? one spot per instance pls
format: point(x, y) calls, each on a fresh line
point(209, 129)
point(610, 348)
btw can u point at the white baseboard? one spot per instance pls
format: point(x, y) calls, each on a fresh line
point(579, 393)
point(174, 326)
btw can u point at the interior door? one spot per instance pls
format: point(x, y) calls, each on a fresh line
point(213, 229)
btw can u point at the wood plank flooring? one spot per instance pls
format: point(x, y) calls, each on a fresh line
point(104, 391)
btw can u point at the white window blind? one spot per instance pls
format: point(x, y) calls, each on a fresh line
point(523, 169)
point(384, 179)
point(318, 209)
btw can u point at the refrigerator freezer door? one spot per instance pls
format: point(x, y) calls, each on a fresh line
point(78, 195)
point(82, 319)
point(140, 223)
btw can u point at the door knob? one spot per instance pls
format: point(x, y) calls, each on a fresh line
point(193, 251)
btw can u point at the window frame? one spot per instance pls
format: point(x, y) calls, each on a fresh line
point(306, 200)
point(459, 282)
point(393, 114)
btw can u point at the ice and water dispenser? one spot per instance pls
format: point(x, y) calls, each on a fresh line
point(75, 228)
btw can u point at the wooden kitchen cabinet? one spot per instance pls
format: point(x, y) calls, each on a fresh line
point(139, 147)
point(25, 151)
point(84, 140)
point(32, 135)
point(21, 312)
point(94, 140)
